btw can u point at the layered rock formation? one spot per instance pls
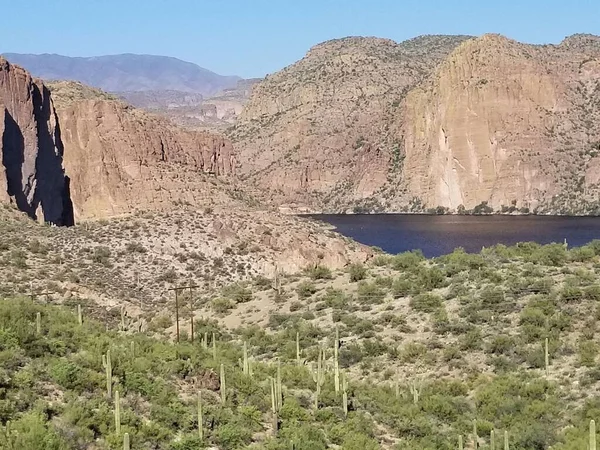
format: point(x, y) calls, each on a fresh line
point(504, 123)
point(114, 153)
point(448, 122)
point(322, 131)
point(32, 174)
point(96, 157)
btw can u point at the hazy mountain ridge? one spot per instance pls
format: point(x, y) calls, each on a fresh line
point(126, 72)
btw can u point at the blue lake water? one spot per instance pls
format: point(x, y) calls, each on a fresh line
point(438, 235)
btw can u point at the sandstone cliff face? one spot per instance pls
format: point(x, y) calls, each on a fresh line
point(374, 125)
point(114, 155)
point(321, 130)
point(501, 122)
point(32, 174)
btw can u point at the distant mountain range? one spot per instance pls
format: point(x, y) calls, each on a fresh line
point(126, 72)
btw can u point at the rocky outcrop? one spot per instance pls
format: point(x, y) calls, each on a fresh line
point(113, 152)
point(322, 131)
point(32, 174)
point(438, 122)
point(505, 124)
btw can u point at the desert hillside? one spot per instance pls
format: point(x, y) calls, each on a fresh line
point(398, 353)
point(439, 122)
point(73, 153)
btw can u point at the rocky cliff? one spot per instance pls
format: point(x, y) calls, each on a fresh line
point(322, 131)
point(71, 152)
point(32, 174)
point(452, 123)
point(120, 158)
point(506, 124)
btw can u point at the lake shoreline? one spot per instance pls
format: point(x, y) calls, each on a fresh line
point(436, 235)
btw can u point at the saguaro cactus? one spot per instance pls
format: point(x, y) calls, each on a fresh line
point(592, 435)
point(506, 446)
point(492, 440)
point(319, 377)
point(298, 362)
point(214, 346)
point(336, 366)
point(415, 390)
point(38, 323)
point(200, 419)
point(126, 441)
point(117, 411)
point(122, 318)
point(107, 364)
point(223, 386)
point(475, 436)
point(245, 365)
point(546, 357)
point(276, 402)
point(79, 315)
point(460, 442)
point(345, 394)
point(279, 391)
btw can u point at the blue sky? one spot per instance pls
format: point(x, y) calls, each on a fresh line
point(254, 37)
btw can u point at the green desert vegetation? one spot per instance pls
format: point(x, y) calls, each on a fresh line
point(401, 352)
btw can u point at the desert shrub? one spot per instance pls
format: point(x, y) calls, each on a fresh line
point(429, 278)
point(319, 272)
point(426, 302)
point(101, 255)
point(401, 288)
point(587, 352)
point(582, 254)
point(222, 305)
point(357, 272)
point(369, 293)
point(306, 289)
point(570, 294)
point(592, 292)
point(237, 293)
point(334, 298)
point(407, 260)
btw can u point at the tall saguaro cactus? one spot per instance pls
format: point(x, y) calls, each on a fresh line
point(200, 418)
point(344, 394)
point(319, 377)
point(298, 362)
point(460, 442)
point(117, 411)
point(546, 357)
point(223, 385)
point(336, 365)
point(276, 400)
point(592, 445)
point(246, 364)
point(492, 440)
point(475, 436)
point(79, 315)
point(415, 390)
point(107, 364)
point(38, 323)
point(214, 346)
point(506, 446)
point(126, 441)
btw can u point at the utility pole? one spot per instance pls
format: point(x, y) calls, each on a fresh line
point(177, 290)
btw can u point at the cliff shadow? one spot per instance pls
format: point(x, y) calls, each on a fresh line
point(13, 157)
point(53, 191)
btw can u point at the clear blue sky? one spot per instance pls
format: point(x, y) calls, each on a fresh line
point(254, 37)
